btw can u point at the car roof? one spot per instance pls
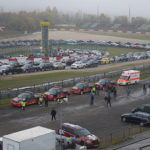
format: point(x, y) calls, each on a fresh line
point(142, 113)
point(146, 105)
point(72, 125)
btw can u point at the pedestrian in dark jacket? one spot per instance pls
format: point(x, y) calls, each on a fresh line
point(108, 101)
point(91, 98)
point(114, 92)
point(46, 100)
point(128, 91)
point(53, 114)
point(144, 89)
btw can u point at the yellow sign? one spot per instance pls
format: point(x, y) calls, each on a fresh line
point(45, 24)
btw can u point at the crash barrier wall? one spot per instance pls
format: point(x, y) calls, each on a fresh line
point(67, 83)
point(121, 135)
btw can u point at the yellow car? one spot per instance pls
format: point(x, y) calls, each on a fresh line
point(105, 61)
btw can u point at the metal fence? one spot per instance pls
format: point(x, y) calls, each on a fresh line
point(121, 135)
point(66, 83)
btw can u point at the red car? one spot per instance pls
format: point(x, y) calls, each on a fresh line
point(104, 83)
point(30, 98)
point(81, 88)
point(56, 93)
point(82, 135)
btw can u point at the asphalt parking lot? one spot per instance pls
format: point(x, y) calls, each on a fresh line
point(98, 119)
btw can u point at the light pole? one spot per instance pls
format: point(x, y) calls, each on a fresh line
point(60, 102)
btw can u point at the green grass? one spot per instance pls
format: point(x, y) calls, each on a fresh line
point(123, 35)
point(5, 102)
point(30, 80)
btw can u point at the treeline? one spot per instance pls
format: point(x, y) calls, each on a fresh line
point(30, 21)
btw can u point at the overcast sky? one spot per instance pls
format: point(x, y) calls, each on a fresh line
point(110, 7)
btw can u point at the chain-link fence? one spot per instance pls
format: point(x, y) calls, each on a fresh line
point(121, 135)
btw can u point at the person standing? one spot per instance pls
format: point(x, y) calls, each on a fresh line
point(94, 90)
point(108, 100)
point(23, 103)
point(41, 100)
point(114, 92)
point(128, 91)
point(53, 114)
point(46, 100)
point(97, 90)
point(144, 89)
point(91, 98)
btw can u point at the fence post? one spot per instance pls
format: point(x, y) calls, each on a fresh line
point(62, 84)
point(34, 88)
point(111, 138)
point(0, 93)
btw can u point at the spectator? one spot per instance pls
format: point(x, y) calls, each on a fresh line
point(144, 89)
point(53, 114)
point(46, 100)
point(128, 90)
point(91, 98)
point(41, 100)
point(108, 100)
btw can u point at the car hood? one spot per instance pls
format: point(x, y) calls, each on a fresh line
point(16, 99)
point(75, 88)
point(92, 137)
point(47, 93)
point(126, 114)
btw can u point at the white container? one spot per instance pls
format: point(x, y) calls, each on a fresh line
point(37, 138)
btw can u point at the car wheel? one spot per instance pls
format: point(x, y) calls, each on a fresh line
point(81, 92)
point(124, 119)
point(141, 124)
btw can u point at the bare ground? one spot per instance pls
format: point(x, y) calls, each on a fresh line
point(70, 35)
point(99, 119)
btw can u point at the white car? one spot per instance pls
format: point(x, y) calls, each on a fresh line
point(78, 65)
point(59, 65)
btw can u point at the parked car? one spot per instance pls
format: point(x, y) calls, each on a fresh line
point(140, 118)
point(82, 135)
point(27, 68)
point(81, 88)
point(105, 61)
point(45, 66)
point(5, 69)
point(56, 93)
point(104, 83)
point(78, 65)
point(59, 65)
point(142, 108)
point(30, 98)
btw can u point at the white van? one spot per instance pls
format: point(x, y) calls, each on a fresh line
point(129, 77)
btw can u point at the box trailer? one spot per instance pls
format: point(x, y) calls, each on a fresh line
point(37, 138)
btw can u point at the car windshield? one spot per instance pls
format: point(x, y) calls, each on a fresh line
point(22, 95)
point(102, 81)
point(79, 85)
point(53, 91)
point(84, 132)
point(124, 77)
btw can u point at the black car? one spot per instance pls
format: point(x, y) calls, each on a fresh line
point(142, 108)
point(137, 117)
point(45, 66)
point(27, 68)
